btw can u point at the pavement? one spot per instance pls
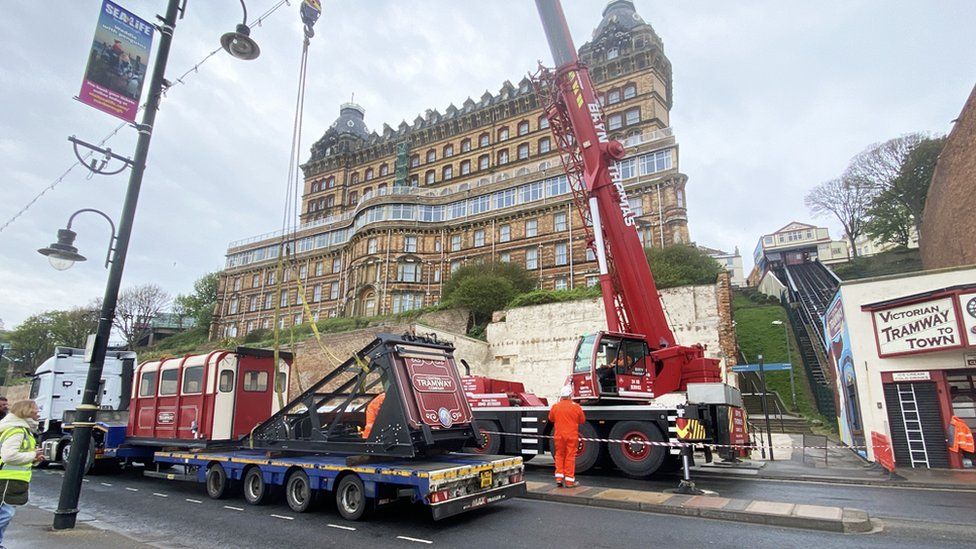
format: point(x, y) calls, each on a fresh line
point(31, 529)
point(794, 515)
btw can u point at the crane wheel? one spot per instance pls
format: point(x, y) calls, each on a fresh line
point(486, 443)
point(632, 457)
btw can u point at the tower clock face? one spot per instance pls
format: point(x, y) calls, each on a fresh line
point(971, 307)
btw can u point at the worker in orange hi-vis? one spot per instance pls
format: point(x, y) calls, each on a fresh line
point(566, 417)
point(371, 411)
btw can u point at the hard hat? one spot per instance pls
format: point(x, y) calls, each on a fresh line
point(566, 392)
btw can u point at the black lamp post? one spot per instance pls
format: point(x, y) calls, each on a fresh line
point(64, 254)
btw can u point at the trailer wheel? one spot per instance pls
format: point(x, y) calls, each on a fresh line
point(298, 492)
point(256, 491)
point(588, 452)
point(351, 498)
point(486, 443)
point(632, 457)
point(218, 485)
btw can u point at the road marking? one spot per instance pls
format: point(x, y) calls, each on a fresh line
point(105, 483)
point(282, 517)
point(341, 527)
point(160, 495)
point(193, 500)
point(132, 489)
point(232, 508)
point(85, 480)
point(427, 541)
point(855, 485)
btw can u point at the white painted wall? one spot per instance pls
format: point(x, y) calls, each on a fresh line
point(535, 345)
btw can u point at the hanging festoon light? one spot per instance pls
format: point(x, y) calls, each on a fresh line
point(311, 10)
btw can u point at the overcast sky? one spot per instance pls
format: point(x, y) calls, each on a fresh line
point(770, 98)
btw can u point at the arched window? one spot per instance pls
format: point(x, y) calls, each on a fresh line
point(543, 122)
point(315, 187)
point(414, 180)
point(429, 177)
point(369, 174)
point(465, 167)
point(431, 155)
point(448, 151)
point(630, 90)
point(381, 189)
point(502, 157)
point(384, 169)
point(367, 193)
point(448, 172)
point(522, 171)
point(544, 145)
point(483, 140)
point(523, 127)
point(414, 161)
point(353, 198)
point(330, 182)
point(483, 162)
point(354, 178)
point(523, 151)
point(465, 145)
point(503, 133)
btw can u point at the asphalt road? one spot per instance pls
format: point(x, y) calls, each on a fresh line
point(916, 504)
point(179, 514)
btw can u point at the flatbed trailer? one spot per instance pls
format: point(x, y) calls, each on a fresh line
point(449, 484)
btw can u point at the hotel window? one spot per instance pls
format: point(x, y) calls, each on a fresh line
point(502, 157)
point(681, 198)
point(252, 304)
point(284, 298)
point(523, 151)
point(543, 122)
point(367, 193)
point(590, 255)
point(330, 182)
point(369, 174)
point(317, 293)
point(448, 151)
point(448, 173)
point(630, 91)
point(371, 246)
point(353, 198)
point(408, 272)
point(544, 145)
point(354, 178)
point(465, 145)
point(633, 116)
point(502, 134)
point(268, 301)
point(560, 283)
point(381, 189)
point(614, 122)
point(437, 244)
point(431, 155)
point(479, 237)
point(315, 187)
point(455, 265)
point(613, 96)
point(505, 257)
point(437, 274)
point(636, 205)
point(483, 162)
point(255, 281)
point(414, 161)
point(627, 167)
point(334, 290)
point(384, 170)
point(429, 177)
point(455, 242)
point(504, 233)
point(613, 53)
point(559, 221)
point(523, 128)
point(483, 140)
point(465, 167)
point(410, 244)
point(531, 259)
point(592, 281)
point(303, 272)
point(562, 253)
point(531, 228)
point(237, 284)
point(336, 265)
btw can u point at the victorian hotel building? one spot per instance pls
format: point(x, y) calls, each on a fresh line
point(387, 217)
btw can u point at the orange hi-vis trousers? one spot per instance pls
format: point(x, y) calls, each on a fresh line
point(566, 459)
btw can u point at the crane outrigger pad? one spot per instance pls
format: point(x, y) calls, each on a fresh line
point(424, 412)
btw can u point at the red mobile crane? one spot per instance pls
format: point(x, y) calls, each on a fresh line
point(620, 375)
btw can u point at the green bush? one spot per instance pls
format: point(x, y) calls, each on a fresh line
point(541, 297)
point(681, 265)
point(521, 280)
point(482, 294)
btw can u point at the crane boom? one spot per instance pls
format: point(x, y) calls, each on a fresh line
point(630, 297)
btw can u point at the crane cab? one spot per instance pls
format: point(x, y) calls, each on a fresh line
point(612, 365)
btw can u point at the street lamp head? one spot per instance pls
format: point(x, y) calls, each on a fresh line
point(240, 44)
point(62, 254)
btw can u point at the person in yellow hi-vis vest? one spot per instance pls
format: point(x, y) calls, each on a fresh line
point(18, 453)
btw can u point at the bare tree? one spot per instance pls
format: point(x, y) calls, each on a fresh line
point(847, 199)
point(136, 309)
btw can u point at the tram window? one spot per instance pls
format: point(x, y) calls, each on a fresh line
point(193, 380)
point(168, 382)
point(147, 385)
point(226, 381)
point(280, 382)
point(255, 381)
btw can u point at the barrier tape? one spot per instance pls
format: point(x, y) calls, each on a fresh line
point(679, 444)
